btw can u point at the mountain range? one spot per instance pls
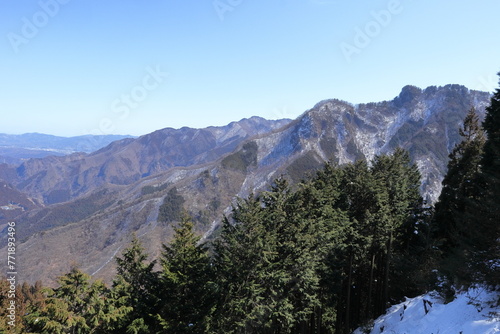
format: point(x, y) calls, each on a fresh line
point(14, 149)
point(82, 208)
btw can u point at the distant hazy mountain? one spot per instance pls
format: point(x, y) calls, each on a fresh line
point(16, 148)
point(93, 202)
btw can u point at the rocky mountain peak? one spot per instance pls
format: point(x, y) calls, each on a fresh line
point(423, 121)
point(407, 96)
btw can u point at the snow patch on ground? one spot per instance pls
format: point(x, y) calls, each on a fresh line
point(475, 311)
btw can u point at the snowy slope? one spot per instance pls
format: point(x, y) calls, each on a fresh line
point(473, 312)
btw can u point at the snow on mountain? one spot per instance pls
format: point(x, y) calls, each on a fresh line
point(93, 202)
point(475, 311)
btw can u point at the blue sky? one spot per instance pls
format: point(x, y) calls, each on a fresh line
point(73, 67)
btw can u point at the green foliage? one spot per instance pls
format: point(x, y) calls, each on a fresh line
point(186, 289)
point(354, 151)
point(172, 207)
point(290, 261)
point(468, 211)
point(455, 206)
point(302, 165)
point(322, 258)
point(241, 160)
point(146, 190)
point(135, 291)
point(486, 255)
point(76, 306)
point(381, 204)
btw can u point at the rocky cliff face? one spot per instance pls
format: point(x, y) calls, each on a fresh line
point(425, 122)
point(101, 198)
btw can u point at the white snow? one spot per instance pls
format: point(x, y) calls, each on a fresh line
point(475, 311)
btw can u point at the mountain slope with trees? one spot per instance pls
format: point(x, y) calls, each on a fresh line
point(286, 261)
point(325, 255)
point(92, 204)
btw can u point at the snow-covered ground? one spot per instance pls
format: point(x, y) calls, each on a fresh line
point(472, 312)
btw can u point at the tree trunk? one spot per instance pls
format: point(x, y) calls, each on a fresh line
point(320, 318)
point(370, 288)
point(387, 269)
point(348, 304)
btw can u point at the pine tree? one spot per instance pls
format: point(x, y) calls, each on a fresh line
point(76, 306)
point(454, 211)
point(238, 261)
point(63, 311)
point(55, 316)
point(323, 204)
point(266, 262)
point(486, 253)
point(171, 209)
point(369, 221)
point(134, 291)
point(293, 280)
point(398, 202)
point(358, 199)
point(186, 287)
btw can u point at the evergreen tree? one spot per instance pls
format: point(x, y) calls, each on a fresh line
point(171, 209)
point(238, 260)
point(55, 317)
point(323, 202)
point(358, 201)
point(399, 204)
point(30, 298)
point(186, 287)
point(486, 250)
point(134, 291)
point(267, 262)
point(292, 279)
point(454, 211)
point(381, 202)
point(76, 306)
point(364, 221)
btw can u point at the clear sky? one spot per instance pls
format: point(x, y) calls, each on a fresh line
point(73, 67)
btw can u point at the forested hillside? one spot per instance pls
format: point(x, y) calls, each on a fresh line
point(325, 255)
point(90, 204)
